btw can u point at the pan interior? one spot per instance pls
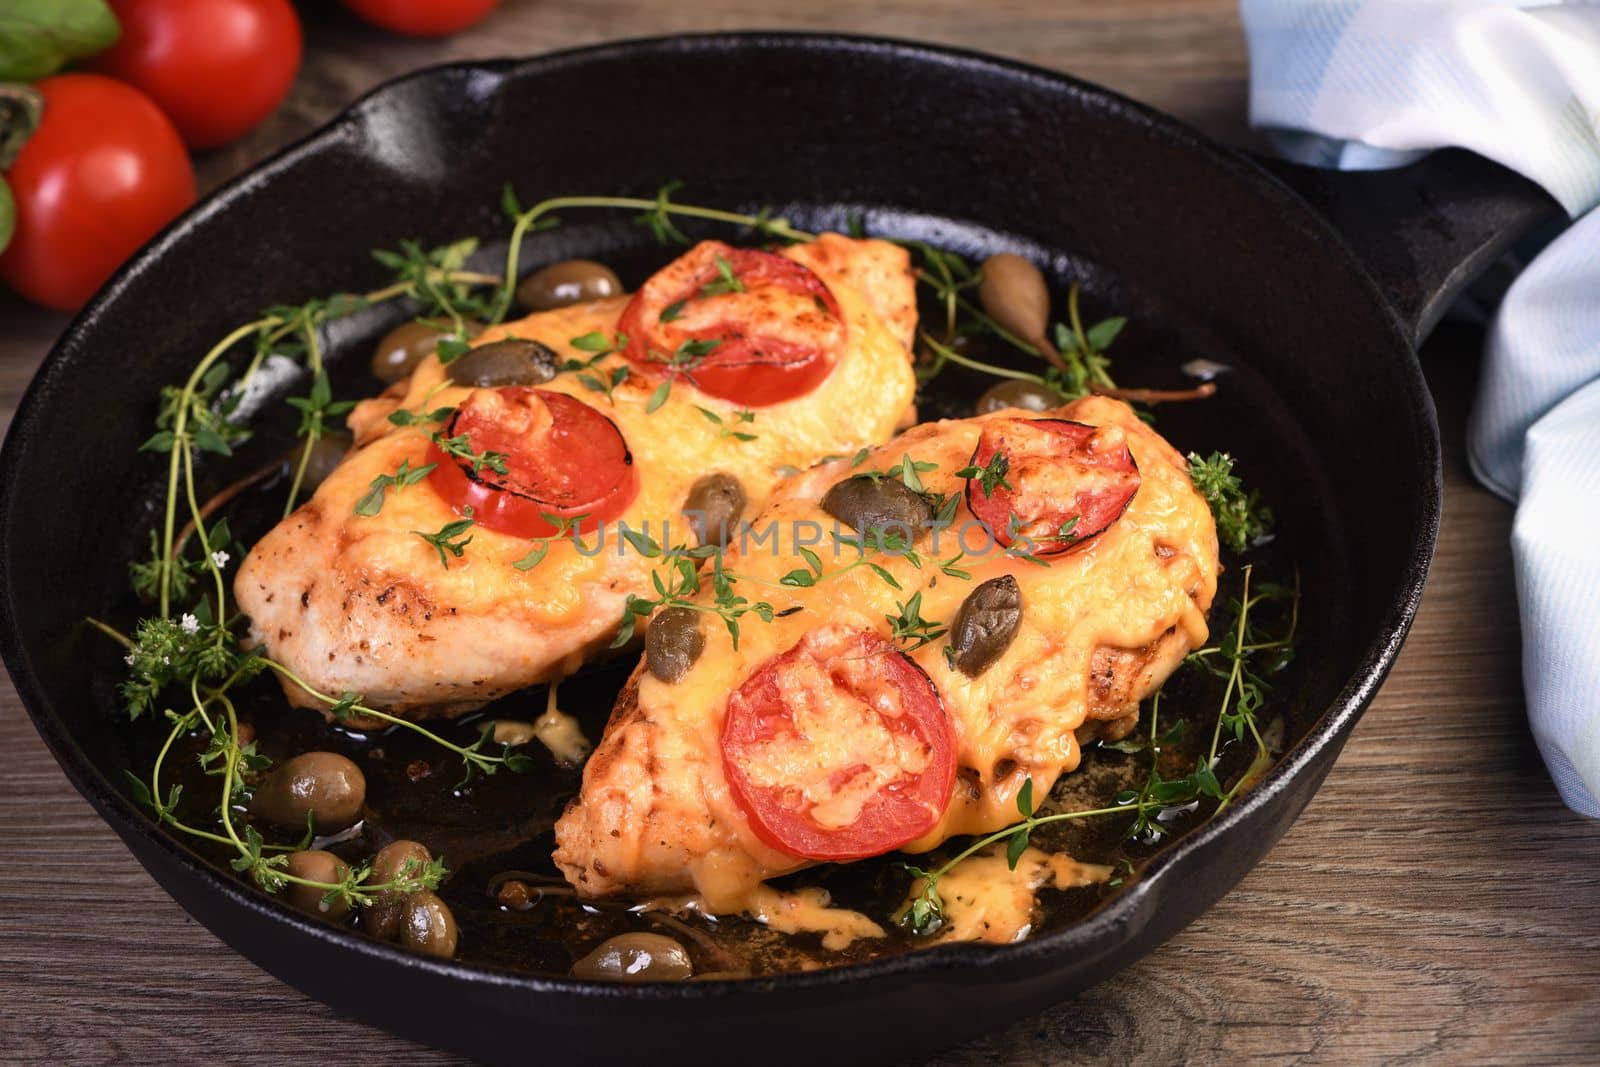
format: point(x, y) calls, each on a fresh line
point(1318, 405)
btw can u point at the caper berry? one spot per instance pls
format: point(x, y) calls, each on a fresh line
point(636, 958)
point(1014, 393)
point(426, 925)
point(879, 505)
point(512, 361)
point(673, 643)
point(713, 507)
point(408, 344)
point(325, 785)
point(985, 625)
point(381, 918)
point(317, 866)
point(1014, 293)
point(571, 281)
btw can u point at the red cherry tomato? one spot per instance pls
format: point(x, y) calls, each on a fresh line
point(759, 328)
point(101, 175)
point(839, 748)
point(562, 458)
point(422, 18)
point(216, 67)
point(1050, 484)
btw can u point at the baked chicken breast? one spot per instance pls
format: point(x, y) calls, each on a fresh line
point(899, 698)
point(728, 369)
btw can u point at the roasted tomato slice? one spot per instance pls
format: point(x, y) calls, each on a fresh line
point(740, 324)
point(839, 748)
point(1049, 484)
point(562, 458)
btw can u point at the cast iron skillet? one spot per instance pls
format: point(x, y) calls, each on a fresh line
point(1209, 252)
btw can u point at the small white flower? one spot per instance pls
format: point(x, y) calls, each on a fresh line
point(166, 661)
point(220, 558)
point(128, 659)
point(190, 624)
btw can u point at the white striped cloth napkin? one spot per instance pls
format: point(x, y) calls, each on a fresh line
point(1360, 84)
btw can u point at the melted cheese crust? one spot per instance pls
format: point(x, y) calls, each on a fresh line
point(1102, 627)
point(363, 604)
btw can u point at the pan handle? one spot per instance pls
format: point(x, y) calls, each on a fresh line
point(1426, 230)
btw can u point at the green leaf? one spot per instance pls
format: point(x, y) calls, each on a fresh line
point(1102, 333)
point(210, 440)
point(593, 341)
point(39, 37)
point(161, 441)
point(658, 397)
point(1016, 846)
point(344, 707)
point(450, 349)
point(509, 203)
point(1025, 799)
point(140, 791)
point(371, 501)
point(885, 575)
point(534, 557)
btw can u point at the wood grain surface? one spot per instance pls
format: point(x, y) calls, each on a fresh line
point(1435, 903)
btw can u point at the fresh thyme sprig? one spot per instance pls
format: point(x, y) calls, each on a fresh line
point(990, 476)
point(460, 446)
point(1242, 519)
point(371, 502)
point(565, 526)
point(724, 430)
point(681, 583)
point(447, 540)
point(909, 629)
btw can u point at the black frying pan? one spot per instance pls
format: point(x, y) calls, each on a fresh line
point(1211, 254)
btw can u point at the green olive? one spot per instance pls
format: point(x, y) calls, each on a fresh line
point(673, 643)
point(636, 958)
point(512, 361)
point(985, 625)
point(317, 866)
point(403, 347)
point(382, 917)
point(868, 504)
point(1013, 393)
point(713, 507)
point(325, 785)
point(426, 925)
point(571, 281)
point(1014, 293)
point(328, 452)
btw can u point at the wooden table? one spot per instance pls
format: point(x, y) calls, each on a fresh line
point(1435, 901)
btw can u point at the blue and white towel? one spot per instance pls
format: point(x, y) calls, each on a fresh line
point(1363, 84)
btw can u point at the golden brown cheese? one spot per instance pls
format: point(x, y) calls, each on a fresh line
point(1101, 628)
point(364, 604)
point(985, 898)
